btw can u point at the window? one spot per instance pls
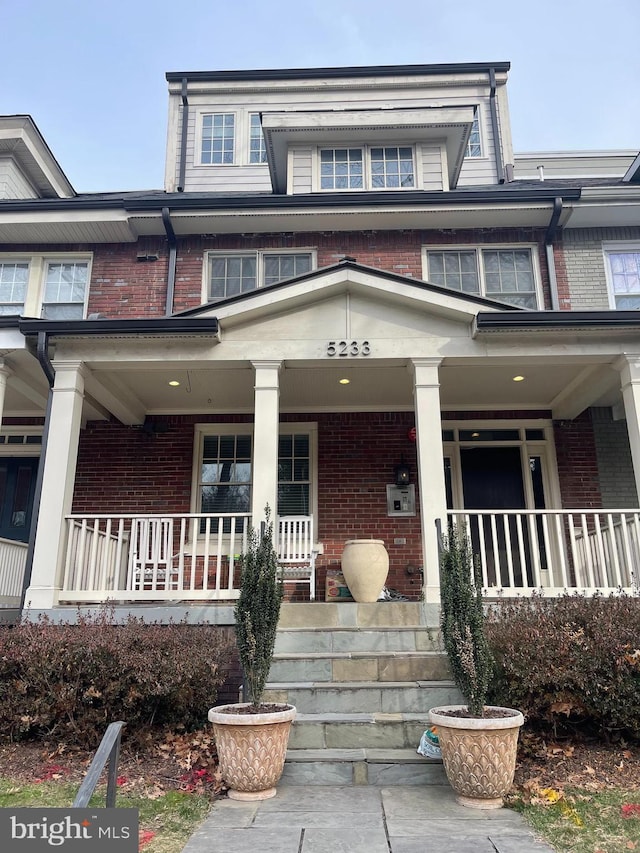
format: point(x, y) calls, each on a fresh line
point(390, 167)
point(233, 274)
point(51, 286)
point(257, 150)
point(474, 148)
point(224, 469)
point(622, 264)
point(218, 138)
point(505, 274)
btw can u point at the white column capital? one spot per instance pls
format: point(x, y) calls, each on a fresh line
point(629, 367)
point(425, 372)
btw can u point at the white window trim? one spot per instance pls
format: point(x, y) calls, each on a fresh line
point(484, 155)
point(478, 248)
point(247, 154)
point(285, 427)
point(613, 247)
point(37, 268)
point(259, 254)
point(241, 138)
point(366, 166)
point(20, 450)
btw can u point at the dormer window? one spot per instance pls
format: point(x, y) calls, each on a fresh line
point(389, 167)
point(218, 138)
point(474, 145)
point(257, 149)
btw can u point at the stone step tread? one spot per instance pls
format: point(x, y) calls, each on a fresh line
point(371, 756)
point(356, 685)
point(362, 717)
point(365, 653)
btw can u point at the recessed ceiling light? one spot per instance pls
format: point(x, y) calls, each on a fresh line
point(344, 381)
point(475, 435)
point(174, 383)
point(518, 378)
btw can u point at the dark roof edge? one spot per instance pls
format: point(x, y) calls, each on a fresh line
point(349, 264)
point(336, 72)
point(159, 325)
point(508, 320)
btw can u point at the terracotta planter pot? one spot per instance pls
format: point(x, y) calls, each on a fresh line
point(251, 749)
point(365, 566)
point(479, 755)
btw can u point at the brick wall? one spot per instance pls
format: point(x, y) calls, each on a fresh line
point(584, 260)
point(577, 463)
point(615, 467)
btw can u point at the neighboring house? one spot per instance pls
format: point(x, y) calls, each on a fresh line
point(349, 278)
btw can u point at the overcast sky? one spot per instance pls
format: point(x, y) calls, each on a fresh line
point(91, 73)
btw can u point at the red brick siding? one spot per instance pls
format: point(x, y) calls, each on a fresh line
point(577, 463)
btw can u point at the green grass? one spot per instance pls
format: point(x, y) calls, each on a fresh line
point(585, 821)
point(172, 816)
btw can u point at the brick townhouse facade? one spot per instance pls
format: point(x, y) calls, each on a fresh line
point(348, 277)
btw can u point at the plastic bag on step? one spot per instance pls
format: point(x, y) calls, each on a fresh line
point(429, 745)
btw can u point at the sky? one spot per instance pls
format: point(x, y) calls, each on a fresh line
point(91, 72)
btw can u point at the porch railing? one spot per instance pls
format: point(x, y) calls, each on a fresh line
point(13, 558)
point(153, 558)
point(520, 551)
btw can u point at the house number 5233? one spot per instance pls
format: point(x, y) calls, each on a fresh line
point(347, 348)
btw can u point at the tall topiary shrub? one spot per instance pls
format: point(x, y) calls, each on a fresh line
point(462, 620)
point(258, 610)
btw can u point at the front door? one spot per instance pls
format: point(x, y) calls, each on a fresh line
point(17, 488)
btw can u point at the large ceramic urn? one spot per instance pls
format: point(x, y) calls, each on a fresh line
point(365, 566)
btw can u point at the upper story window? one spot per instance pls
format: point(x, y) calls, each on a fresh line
point(474, 146)
point(389, 167)
point(218, 138)
point(230, 274)
point(257, 149)
point(622, 264)
point(53, 287)
point(505, 274)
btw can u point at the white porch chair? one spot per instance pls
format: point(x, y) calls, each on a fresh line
point(296, 551)
point(151, 554)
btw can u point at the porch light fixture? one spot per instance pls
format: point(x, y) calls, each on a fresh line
point(402, 474)
point(344, 381)
point(174, 383)
point(518, 378)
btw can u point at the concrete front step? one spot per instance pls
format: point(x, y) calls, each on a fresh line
point(354, 639)
point(365, 697)
point(360, 666)
point(382, 767)
point(357, 731)
point(382, 614)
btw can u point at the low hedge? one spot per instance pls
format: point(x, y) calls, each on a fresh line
point(69, 681)
point(568, 662)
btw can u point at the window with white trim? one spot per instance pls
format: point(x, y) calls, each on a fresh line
point(257, 149)
point(54, 286)
point(367, 167)
point(218, 138)
point(232, 273)
point(223, 468)
point(474, 146)
point(622, 264)
point(506, 274)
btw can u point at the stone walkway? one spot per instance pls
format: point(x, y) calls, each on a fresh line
point(323, 819)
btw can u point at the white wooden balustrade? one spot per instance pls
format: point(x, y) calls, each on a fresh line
point(522, 551)
point(13, 557)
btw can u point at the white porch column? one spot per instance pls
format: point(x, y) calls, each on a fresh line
point(265, 440)
point(5, 373)
point(629, 367)
point(433, 496)
point(57, 486)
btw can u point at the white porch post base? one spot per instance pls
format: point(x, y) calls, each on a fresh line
point(57, 487)
point(433, 498)
point(265, 440)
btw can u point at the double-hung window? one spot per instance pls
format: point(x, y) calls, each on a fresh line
point(474, 146)
point(622, 265)
point(218, 138)
point(504, 274)
point(257, 149)
point(367, 167)
point(54, 287)
point(230, 274)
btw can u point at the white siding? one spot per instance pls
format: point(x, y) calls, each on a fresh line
point(277, 97)
point(13, 183)
point(301, 178)
point(431, 156)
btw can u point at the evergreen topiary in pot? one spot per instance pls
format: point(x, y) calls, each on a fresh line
point(478, 742)
point(252, 737)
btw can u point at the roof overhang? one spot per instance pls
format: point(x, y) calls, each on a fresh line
point(447, 126)
point(118, 328)
point(632, 175)
point(21, 140)
point(553, 322)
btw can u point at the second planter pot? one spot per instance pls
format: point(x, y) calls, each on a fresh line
point(365, 566)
